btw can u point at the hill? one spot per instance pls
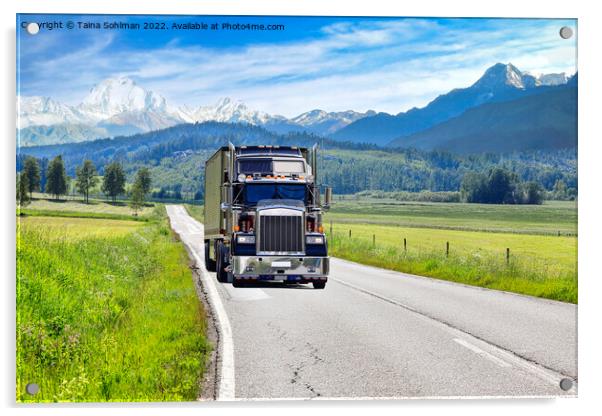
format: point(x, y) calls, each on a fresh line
point(543, 121)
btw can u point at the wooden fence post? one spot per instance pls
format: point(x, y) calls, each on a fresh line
point(447, 249)
point(350, 233)
point(405, 245)
point(330, 227)
point(373, 240)
point(507, 255)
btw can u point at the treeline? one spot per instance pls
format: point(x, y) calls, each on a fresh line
point(500, 186)
point(414, 171)
point(176, 158)
point(56, 181)
point(422, 196)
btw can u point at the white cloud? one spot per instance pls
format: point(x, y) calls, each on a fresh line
point(389, 65)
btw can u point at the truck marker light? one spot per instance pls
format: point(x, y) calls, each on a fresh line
point(321, 229)
point(236, 228)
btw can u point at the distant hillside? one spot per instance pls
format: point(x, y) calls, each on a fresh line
point(151, 147)
point(501, 82)
point(176, 158)
point(544, 121)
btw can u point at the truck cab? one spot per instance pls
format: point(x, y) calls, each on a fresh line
point(263, 215)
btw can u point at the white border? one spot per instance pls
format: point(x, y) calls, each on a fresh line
point(590, 94)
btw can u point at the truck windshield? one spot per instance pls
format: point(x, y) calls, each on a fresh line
point(251, 166)
point(254, 193)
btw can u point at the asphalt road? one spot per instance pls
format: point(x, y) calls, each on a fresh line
point(382, 334)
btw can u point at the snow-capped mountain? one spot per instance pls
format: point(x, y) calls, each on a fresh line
point(115, 96)
point(119, 106)
point(35, 111)
point(553, 79)
point(322, 122)
point(227, 110)
point(501, 76)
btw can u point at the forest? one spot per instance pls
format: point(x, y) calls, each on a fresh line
point(175, 158)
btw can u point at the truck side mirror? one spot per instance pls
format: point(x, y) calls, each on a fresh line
point(327, 197)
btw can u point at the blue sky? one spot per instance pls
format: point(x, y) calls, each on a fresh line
point(384, 64)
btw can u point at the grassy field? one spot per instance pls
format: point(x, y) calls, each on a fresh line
point(70, 207)
point(106, 311)
point(542, 262)
point(551, 218)
point(196, 211)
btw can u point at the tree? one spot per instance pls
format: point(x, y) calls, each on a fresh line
point(533, 193)
point(141, 188)
point(502, 184)
point(143, 179)
point(474, 187)
point(86, 179)
point(137, 198)
point(56, 178)
point(23, 195)
point(113, 182)
point(560, 189)
point(31, 168)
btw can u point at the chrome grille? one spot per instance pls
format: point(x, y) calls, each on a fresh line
point(280, 234)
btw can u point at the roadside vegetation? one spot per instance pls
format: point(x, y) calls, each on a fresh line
point(196, 211)
point(542, 242)
point(106, 307)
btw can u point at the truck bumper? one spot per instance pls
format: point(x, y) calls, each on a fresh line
point(280, 268)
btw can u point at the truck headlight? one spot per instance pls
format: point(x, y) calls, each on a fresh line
point(314, 239)
point(245, 239)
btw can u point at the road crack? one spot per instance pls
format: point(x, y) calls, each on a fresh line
point(308, 355)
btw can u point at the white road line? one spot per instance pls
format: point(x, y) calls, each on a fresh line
point(226, 389)
point(482, 353)
point(494, 351)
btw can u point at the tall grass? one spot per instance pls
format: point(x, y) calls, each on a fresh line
point(527, 276)
point(107, 318)
point(196, 211)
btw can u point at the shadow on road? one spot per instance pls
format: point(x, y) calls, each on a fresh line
point(264, 284)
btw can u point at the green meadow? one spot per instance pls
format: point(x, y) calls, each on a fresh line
point(542, 242)
point(551, 218)
point(106, 309)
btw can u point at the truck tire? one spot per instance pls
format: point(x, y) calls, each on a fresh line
point(237, 282)
point(319, 285)
point(209, 263)
point(222, 262)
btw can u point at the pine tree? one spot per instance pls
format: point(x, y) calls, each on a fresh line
point(22, 190)
point(31, 169)
point(56, 178)
point(143, 179)
point(113, 182)
point(86, 179)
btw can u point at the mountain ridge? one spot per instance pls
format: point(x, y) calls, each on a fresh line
point(500, 82)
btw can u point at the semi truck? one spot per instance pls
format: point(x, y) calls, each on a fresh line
point(263, 215)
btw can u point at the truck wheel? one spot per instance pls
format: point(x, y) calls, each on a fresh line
point(236, 282)
point(222, 263)
point(319, 285)
point(209, 263)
